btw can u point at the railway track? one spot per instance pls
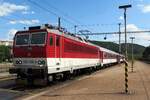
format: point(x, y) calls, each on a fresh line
point(27, 91)
point(8, 77)
point(31, 92)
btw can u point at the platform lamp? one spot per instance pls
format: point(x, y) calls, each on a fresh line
point(125, 25)
point(126, 55)
point(132, 38)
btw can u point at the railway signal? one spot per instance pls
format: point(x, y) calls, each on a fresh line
point(132, 53)
point(125, 30)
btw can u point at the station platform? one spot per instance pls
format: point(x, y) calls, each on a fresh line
point(106, 84)
point(4, 75)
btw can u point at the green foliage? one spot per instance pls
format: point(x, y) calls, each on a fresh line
point(146, 53)
point(5, 53)
point(137, 49)
point(109, 45)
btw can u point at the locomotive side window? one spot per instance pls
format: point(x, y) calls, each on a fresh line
point(57, 41)
point(51, 40)
point(22, 39)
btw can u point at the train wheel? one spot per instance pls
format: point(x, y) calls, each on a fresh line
point(50, 79)
point(30, 81)
point(20, 82)
point(89, 70)
point(66, 76)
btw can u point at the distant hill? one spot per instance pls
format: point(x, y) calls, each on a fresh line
point(146, 54)
point(138, 49)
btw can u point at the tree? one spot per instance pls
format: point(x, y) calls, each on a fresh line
point(5, 53)
point(146, 53)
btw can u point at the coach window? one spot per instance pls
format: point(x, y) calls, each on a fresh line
point(51, 40)
point(57, 41)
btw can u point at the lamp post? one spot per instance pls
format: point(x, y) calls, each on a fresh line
point(85, 32)
point(59, 23)
point(119, 38)
point(132, 53)
point(125, 22)
point(125, 30)
point(75, 29)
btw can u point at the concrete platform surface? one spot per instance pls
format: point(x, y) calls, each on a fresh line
point(4, 74)
point(106, 84)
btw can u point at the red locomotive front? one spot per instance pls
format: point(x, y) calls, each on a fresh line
point(29, 54)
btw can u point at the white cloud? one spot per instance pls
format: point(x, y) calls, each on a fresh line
point(144, 8)
point(12, 31)
point(132, 27)
point(140, 38)
point(121, 18)
point(28, 12)
point(8, 8)
point(27, 22)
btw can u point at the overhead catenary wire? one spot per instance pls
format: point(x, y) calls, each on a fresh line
point(62, 12)
point(66, 17)
point(48, 10)
point(97, 24)
point(130, 32)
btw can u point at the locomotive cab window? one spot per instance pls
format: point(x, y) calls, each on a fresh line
point(51, 40)
point(22, 39)
point(57, 41)
point(38, 38)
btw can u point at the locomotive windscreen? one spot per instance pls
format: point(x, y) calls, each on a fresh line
point(22, 39)
point(38, 38)
point(32, 39)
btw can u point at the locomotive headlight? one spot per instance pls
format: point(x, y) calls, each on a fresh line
point(41, 62)
point(18, 62)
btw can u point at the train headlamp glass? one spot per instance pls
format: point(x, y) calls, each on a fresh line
point(41, 62)
point(18, 62)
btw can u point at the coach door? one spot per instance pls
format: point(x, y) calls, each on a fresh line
point(100, 57)
point(57, 49)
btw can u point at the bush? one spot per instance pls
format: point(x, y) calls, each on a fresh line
point(5, 53)
point(146, 54)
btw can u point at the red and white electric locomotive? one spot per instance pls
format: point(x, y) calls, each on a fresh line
point(42, 53)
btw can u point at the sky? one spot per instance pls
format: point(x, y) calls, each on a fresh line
point(93, 15)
